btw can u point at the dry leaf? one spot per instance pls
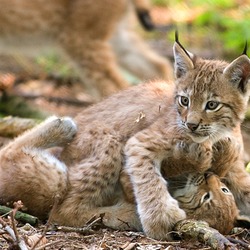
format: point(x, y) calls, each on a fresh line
point(33, 239)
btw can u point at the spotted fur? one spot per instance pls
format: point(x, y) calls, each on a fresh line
point(150, 132)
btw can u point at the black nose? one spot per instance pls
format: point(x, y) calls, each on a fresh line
point(192, 126)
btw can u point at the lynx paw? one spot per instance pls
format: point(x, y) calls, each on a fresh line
point(160, 224)
point(229, 146)
point(199, 155)
point(62, 129)
point(67, 127)
point(226, 153)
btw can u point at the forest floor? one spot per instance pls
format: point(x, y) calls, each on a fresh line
point(54, 95)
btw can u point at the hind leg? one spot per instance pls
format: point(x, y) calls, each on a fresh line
point(120, 216)
point(31, 174)
point(52, 132)
point(136, 56)
point(87, 45)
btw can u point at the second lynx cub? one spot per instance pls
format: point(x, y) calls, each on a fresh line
point(150, 133)
point(94, 35)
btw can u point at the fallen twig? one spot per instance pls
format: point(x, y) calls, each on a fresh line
point(48, 245)
point(239, 242)
point(69, 101)
point(13, 126)
point(13, 232)
point(201, 231)
point(82, 230)
point(17, 205)
point(26, 218)
point(42, 236)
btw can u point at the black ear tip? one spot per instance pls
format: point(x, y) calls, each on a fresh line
point(176, 36)
point(245, 49)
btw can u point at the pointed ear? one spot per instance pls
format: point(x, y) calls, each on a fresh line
point(242, 221)
point(238, 72)
point(183, 60)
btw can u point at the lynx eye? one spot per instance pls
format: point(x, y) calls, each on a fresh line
point(225, 190)
point(205, 197)
point(184, 101)
point(212, 105)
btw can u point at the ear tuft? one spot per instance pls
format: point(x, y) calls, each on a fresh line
point(183, 60)
point(238, 72)
point(245, 49)
point(176, 35)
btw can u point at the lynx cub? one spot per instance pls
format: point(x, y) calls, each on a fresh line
point(150, 132)
point(90, 33)
point(205, 197)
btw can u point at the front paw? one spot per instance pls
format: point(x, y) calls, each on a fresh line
point(228, 146)
point(195, 154)
point(226, 154)
point(159, 223)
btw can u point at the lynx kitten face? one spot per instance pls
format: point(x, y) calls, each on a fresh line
point(211, 96)
point(199, 195)
point(150, 133)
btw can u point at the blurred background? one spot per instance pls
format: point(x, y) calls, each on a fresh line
point(47, 84)
point(217, 28)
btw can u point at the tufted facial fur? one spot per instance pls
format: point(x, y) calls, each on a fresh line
point(211, 96)
point(151, 132)
point(202, 197)
point(205, 197)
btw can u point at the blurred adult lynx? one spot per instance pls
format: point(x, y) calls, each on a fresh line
point(90, 33)
point(149, 133)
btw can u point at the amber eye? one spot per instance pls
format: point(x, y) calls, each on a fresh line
point(225, 190)
point(205, 197)
point(212, 105)
point(184, 101)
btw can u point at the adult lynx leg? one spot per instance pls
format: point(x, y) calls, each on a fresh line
point(137, 57)
point(97, 66)
point(29, 173)
point(88, 45)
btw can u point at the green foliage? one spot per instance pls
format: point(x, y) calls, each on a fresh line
point(223, 21)
point(163, 3)
point(248, 167)
point(51, 62)
point(17, 106)
point(223, 4)
point(228, 19)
